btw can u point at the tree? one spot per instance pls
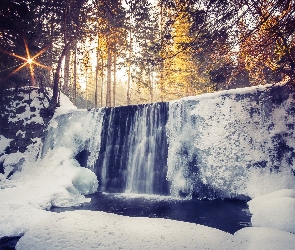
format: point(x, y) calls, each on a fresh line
point(177, 46)
point(267, 45)
point(75, 26)
point(145, 35)
point(192, 53)
point(37, 22)
point(110, 34)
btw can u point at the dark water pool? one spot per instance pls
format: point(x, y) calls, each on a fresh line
point(9, 243)
point(226, 215)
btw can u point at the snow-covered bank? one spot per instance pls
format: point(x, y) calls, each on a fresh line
point(98, 230)
point(37, 183)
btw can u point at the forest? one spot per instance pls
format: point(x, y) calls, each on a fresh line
point(104, 53)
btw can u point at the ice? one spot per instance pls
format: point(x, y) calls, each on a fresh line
point(85, 181)
point(78, 130)
point(56, 179)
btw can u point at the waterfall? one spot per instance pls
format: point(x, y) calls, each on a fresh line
point(228, 144)
point(143, 143)
point(133, 153)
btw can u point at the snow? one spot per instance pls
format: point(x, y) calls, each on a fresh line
point(98, 230)
point(11, 162)
point(4, 143)
point(94, 229)
point(275, 210)
point(233, 140)
point(253, 238)
point(38, 183)
point(65, 105)
point(31, 106)
point(53, 181)
point(57, 179)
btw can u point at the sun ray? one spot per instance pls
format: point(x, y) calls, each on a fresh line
point(27, 49)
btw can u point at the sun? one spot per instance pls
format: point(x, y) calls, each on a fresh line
point(29, 61)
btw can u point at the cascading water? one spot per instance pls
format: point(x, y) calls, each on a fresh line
point(142, 160)
point(133, 153)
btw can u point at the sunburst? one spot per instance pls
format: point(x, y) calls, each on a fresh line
point(29, 61)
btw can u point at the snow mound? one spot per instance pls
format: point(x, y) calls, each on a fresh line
point(253, 238)
point(65, 105)
point(55, 180)
point(98, 230)
point(274, 210)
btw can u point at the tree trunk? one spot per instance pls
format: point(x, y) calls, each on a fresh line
point(109, 75)
point(151, 86)
point(114, 81)
point(86, 93)
point(128, 83)
point(55, 100)
point(66, 72)
point(75, 76)
point(102, 82)
point(96, 73)
point(129, 67)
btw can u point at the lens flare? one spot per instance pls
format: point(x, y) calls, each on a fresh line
point(29, 62)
